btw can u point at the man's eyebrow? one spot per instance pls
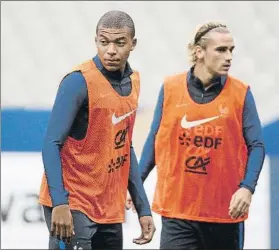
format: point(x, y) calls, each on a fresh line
point(116, 39)
point(103, 36)
point(119, 38)
point(224, 47)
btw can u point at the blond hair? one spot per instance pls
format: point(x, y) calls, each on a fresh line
point(201, 38)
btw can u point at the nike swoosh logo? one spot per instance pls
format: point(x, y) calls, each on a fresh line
point(102, 95)
point(180, 105)
point(115, 120)
point(188, 124)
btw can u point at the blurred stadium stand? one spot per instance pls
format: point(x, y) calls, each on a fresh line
point(41, 41)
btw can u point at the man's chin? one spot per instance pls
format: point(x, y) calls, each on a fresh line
point(112, 68)
point(223, 73)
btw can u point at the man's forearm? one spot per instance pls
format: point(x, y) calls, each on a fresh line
point(136, 189)
point(71, 94)
point(252, 134)
point(147, 160)
point(254, 167)
point(53, 171)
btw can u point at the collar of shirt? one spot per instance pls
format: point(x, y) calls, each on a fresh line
point(117, 75)
point(218, 82)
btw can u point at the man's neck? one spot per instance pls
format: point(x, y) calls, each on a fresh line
point(122, 69)
point(113, 74)
point(204, 76)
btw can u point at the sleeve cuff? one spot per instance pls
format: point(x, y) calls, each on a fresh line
point(145, 213)
point(252, 190)
point(59, 198)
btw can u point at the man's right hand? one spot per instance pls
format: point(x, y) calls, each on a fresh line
point(62, 226)
point(147, 230)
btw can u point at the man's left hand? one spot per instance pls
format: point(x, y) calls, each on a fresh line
point(129, 203)
point(147, 230)
point(240, 203)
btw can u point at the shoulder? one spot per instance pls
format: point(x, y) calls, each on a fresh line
point(175, 78)
point(238, 83)
point(74, 83)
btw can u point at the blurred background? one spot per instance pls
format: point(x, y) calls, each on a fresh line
point(42, 41)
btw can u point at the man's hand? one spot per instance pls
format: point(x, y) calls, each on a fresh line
point(129, 203)
point(62, 223)
point(240, 203)
point(147, 230)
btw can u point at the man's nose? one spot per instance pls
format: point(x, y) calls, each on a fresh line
point(229, 56)
point(111, 49)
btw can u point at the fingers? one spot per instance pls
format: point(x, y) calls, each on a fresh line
point(240, 203)
point(57, 230)
point(52, 228)
point(128, 204)
point(148, 231)
point(137, 240)
point(69, 233)
point(62, 231)
point(144, 238)
point(238, 209)
point(142, 241)
point(152, 231)
point(233, 210)
point(147, 237)
point(245, 211)
point(66, 232)
point(232, 201)
point(62, 223)
point(133, 208)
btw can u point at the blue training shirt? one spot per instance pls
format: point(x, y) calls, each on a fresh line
point(252, 131)
point(69, 117)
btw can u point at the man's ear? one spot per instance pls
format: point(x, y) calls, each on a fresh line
point(134, 44)
point(199, 52)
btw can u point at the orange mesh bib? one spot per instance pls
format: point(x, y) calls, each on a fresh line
point(96, 168)
point(200, 152)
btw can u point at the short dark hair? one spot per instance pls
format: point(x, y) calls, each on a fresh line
point(116, 20)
